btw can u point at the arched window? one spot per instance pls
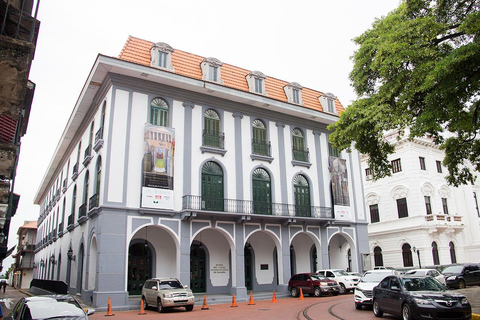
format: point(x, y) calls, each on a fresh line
point(71, 217)
point(98, 176)
point(436, 258)
point(259, 141)
point(159, 112)
point(378, 257)
point(453, 256)
point(212, 136)
point(407, 255)
point(302, 196)
point(299, 151)
point(212, 187)
point(85, 187)
point(262, 193)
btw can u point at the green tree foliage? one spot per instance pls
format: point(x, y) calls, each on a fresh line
point(418, 68)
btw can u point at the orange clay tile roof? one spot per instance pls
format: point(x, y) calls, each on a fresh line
point(186, 64)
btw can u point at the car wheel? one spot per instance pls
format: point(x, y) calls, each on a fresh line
point(358, 306)
point(461, 284)
point(406, 313)
point(317, 292)
point(294, 292)
point(335, 293)
point(160, 307)
point(343, 290)
point(189, 307)
point(376, 309)
point(145, 304)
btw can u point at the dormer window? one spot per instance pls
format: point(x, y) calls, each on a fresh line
point(161, 56)
point(293, 91)
point(256, 82)
point(328, 102)
point(212, 70)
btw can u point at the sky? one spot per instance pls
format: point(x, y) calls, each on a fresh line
point(304, 41)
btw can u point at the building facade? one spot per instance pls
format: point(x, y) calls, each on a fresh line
point(23, 270)
point(416, 219)
point(178, 165)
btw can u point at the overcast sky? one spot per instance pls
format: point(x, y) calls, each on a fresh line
point(306, 41)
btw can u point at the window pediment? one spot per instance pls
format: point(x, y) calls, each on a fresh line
point(328, 102)
point(256, 82)
point(212, 70)
point(293, 91)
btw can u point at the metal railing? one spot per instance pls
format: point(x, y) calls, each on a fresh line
point(261, 147)
point(213, 139)
point(300, 154)
point(18, 23)
point(190, 202)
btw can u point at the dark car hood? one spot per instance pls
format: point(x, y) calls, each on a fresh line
point(439, 295)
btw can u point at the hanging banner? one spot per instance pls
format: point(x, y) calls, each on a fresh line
point(341, 196)
point(157, 186)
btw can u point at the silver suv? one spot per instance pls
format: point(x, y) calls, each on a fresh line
point(166, 293)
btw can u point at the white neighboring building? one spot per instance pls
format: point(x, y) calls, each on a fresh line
point(415, 217)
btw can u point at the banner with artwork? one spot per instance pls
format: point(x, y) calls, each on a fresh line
point(158, 155)
point(341, 196)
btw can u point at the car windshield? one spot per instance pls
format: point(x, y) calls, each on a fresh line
point(422, 284)
point(453, 269)
point(171, 284)
point(54, 309)
point(340, 273)
point(374, 276)
point(318, 277)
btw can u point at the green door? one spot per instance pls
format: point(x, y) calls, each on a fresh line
point(259, 142)
point(211, 129)
point(197, 268)
point(262, 194)
point(302, 196)
point(139, 267)
point(212, 187)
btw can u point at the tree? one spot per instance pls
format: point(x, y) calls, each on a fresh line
point(418, 68)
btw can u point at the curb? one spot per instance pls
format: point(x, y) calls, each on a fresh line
point(475, 316)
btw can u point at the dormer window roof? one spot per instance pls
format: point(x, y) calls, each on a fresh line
point(328, 102)
point(256, 82)
point(293, 91)
point(212, 70)
point(161, 56)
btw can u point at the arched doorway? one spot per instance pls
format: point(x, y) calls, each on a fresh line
point(302, 196)
point(262, 193)
point(248, 256)
point(198, 267)
point(80, 270)
point(212, 187)
point(407, 255)
point(139, 267)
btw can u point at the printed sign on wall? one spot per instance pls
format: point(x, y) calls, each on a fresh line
point(341, 196)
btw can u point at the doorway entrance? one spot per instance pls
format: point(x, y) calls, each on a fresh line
point(139, 267)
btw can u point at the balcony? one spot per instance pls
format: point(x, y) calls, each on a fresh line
point(75, 172)
point(82, 214)
point(253, 208)
point(60, 229)
point(71, 219)
point(213, 142)
point(88, 155)
point(98, 140)
point(64, 185)
point(301, 157)
point(261, 150)
point(432, 223)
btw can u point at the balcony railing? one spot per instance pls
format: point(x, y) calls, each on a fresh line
point(82, 213)
point(75, 172)
point(71, 221)
point(64, 185)
point(98, 139)
point(88, 155)
point(261, 147)
point(18, 23)
point(251, 207)
point(93, 202)
point(300, 154)
point(213, 139)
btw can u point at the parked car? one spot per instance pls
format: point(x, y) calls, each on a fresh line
point(434, 273)
point(461, 275)
point(418, 297)
point(313, 284)
point(166, 293)
point(364, 289)
point(345, 281)
point(49, 307)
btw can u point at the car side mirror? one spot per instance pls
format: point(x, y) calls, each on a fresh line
point(89, 311)
point(185, 286)
point(394, 288)
point(467, 271)
point(309, 280)
point(154, 288)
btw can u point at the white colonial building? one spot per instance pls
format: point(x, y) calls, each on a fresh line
point(415, 218)
point(173, 164)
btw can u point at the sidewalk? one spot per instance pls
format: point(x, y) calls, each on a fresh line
point(10, 298)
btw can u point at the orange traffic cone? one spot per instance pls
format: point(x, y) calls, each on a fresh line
point(301, 295)
point(274, 298)
point(234, 304)
point(142, 309)
point(109, 308)
point(251, 303)
point(205, 307)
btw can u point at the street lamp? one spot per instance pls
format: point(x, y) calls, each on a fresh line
point(418, 256)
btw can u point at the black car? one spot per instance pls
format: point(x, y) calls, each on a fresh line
point(461, 275)
point(418, 297)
